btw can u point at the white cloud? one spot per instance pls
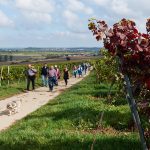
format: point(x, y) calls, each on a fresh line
point(138, 11)
point(74, 23)
point(76, 14)
point(62, 33)
point(38, 17)
point(42, 6)
point(36, 11)
point(66, 19)
point(71, 18)
point(78, 6)
point(101, 2)
point(5, 2)
point(124, 8)
point(70, 35)
point(121, 7)
point(5, 21)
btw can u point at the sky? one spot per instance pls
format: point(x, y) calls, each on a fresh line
point(63, 23)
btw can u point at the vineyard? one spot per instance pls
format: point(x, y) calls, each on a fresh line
point(128, 54)
point(75, 75)
point(80, 118)
point(16, 74)
point(89, 115)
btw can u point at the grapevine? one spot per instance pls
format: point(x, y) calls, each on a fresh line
point(132, 49)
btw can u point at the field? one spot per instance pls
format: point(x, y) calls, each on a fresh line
point(72, 121)
point(24, 56)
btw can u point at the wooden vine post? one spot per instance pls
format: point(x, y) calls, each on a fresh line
point(1, 76)
point(8, 73)
point(38, 72)
point(134, 111)
point(132, 105)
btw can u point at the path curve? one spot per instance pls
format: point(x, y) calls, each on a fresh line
point(31, 101)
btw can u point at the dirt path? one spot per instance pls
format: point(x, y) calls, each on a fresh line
point(31, 101)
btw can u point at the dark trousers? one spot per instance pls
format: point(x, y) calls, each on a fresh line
point(75, 74)
point(66, 80)
point(31, 79)
point(56, 81)
point(51, 82)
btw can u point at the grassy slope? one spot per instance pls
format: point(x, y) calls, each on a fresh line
point(15, 88)
point(8, 91)
point(69, 122)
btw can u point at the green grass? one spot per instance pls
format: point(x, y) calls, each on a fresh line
point(14, 88)
point(69, 122)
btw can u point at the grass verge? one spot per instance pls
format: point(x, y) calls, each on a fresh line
point(14, 89)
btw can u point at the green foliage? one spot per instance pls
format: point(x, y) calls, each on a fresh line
point(105, 67)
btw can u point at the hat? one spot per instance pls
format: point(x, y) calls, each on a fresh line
point(55, 66)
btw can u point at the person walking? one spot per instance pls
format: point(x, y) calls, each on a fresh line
point(75, 71)
point(80, 71)
point(85, 68)
point(44, 74)
point(57, 75)
point(66, 75)
point(31, 75)
point(82, 66)
point(51, 78)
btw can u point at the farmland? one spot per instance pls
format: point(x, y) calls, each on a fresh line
point(28, 55)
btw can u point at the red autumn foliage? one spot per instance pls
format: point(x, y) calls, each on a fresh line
point(124, 40)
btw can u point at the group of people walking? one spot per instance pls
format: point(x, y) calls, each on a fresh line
point(80, 69)
point(51, 75)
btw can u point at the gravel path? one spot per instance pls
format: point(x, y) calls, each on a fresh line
point(31, 101)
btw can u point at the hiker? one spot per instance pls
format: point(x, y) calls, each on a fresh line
point(80, 71)
point(44, 74)
point(82, 66)
point(89, 66)
point(85, 68)
point(51, 78)
point(75, 71)
point(66, 75)
point(57, 75)
point(31, 75)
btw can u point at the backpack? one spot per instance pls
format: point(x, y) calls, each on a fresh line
point(26, 73)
